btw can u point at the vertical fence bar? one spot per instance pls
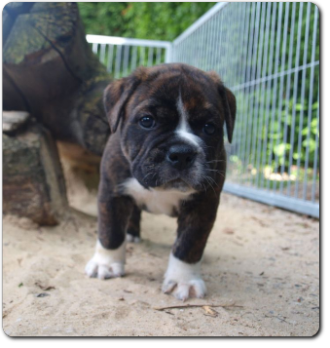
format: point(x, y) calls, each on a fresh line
point(126, 57)
point(246, 104)
point(110, 58)
point(288, 90)
point(316, 152)
point(310, 103)
point(242, 65)
point(295, 84)
point(245, 36)
point(102, 53)
point(216, 61)
point(241, 45)
point(159, 55)
point(302, 100)
point(227, 44)
point(275, 89)
point(150, 56)
point(263, 87)
point(220, 45)
point(252, 91)
point(94, 47)
point(282, 68)
point(184, 51)
point(256, 90)
point(234, 49)
point(142, 55)
point(169, 54)
point(245, 101)
point(187, 51)
point(268, 89)
point(118, 62)
point(210, 33)
point(134, 58)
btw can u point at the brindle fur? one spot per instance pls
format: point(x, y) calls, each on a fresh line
point(132, 152)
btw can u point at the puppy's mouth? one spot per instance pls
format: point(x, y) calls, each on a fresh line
point(177, 184)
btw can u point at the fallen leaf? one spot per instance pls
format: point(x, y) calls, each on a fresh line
point(210, 312)
point(44, 287)
point(43, 294)
point(228, 231)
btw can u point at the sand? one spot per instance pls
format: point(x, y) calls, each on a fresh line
point(263, 259)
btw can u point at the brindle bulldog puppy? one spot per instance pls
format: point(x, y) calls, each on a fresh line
point(165, 155)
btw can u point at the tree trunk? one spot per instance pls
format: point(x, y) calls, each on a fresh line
point(33, 182)
point(50, 71)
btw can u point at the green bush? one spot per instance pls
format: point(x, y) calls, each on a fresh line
point(143, 20)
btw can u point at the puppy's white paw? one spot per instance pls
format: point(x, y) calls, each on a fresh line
point(183, 280)
point(95, 269)
point(132, 239)
point(106, 263)
point(184, 290)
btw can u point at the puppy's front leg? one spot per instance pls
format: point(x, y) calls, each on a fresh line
point(194, 226)
point(109, 258)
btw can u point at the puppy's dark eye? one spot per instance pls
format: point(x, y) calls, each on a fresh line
point(147, 121)
point(209, 129)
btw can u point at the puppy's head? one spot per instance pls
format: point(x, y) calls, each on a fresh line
point(171, 119)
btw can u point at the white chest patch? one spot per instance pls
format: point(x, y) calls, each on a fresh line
point(155, 201)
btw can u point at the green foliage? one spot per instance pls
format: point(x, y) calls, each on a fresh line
point(143, 20)
point(103, 18)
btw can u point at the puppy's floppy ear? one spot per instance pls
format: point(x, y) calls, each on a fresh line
point(229, 103)
point(117, 94)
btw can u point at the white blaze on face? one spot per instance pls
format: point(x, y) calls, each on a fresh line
point(183, 130)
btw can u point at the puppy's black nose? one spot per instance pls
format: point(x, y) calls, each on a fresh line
point(181, 156)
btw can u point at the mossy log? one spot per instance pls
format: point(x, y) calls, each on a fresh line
point(50, 71)
point(33, 182)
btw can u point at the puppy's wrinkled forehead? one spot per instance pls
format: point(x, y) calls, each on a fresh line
point(182, 90)
point(170, 87)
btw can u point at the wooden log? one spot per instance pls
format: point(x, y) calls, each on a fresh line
point(33, 182)
point(50, 71)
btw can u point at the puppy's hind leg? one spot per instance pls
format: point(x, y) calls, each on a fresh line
point(133, 229)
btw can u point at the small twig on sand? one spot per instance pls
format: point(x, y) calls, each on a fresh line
point(274, 316)
point(197, 305)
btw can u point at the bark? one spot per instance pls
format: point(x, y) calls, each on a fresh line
point(33, 182)
point(50, 71)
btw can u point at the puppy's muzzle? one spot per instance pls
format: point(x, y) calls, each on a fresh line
point(181, 156)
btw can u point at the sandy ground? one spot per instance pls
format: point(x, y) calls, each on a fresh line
point(260, 258)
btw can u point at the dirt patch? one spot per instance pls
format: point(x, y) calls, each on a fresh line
point(261, 258)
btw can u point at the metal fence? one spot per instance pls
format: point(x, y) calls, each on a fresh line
point(122, 56)
point(268, 55)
